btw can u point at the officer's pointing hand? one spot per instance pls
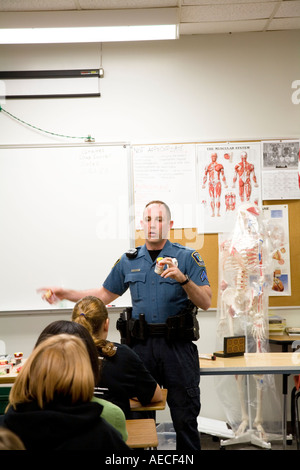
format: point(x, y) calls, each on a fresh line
point(51, 294)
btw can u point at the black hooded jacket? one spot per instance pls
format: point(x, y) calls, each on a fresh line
point(63, 427)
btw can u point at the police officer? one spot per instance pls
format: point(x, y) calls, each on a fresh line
point(162, 300)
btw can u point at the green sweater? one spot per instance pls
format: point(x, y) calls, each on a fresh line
point(113, 415)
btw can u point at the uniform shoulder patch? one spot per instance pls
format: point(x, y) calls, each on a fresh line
point(196, 257)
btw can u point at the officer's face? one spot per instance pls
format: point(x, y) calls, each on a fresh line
point(156, 223)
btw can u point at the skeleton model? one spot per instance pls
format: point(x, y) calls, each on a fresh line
point(243, 307)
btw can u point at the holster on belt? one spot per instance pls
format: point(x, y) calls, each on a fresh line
point(138, 327)
point(183, 326)
point(123, 326)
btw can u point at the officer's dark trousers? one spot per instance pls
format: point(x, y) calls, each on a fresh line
point(175, 366)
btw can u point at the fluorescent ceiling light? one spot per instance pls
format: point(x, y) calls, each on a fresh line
point(89, 26)
point(88, 34)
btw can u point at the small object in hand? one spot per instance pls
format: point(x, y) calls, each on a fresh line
point(48, 294)
point(159, 266)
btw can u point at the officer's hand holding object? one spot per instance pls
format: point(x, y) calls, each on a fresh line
point(172, 269)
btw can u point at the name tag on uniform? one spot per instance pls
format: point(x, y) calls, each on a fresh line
point(135, 270)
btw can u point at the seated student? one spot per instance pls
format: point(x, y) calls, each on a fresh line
point(123, 374)
point(50, 405)
point(10, 441)
point(111, 413)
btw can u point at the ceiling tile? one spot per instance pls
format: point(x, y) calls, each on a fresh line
point(250, 11)
point(221, 2)
point(121, 4)
point(222, 27)
point(278, 24)
point(57, 5)
point(288, 9)
point(36, 5)
point(197, 16)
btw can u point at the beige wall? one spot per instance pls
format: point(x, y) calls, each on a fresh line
point(210, 87)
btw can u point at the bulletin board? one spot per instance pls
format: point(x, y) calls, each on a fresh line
point(207, 245)
point(294, 229)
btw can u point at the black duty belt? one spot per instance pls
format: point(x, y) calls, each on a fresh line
point(183, 326)
point(156, 329)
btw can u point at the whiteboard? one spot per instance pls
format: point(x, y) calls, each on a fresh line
point(166, 172)
point(65, 219)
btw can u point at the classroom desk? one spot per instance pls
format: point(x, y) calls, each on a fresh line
point(255, 363)
point(9, 378)
point(142, 434)
point(135, 405)
point(284, 340)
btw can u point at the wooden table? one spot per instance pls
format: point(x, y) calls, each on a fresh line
point(253, 363)
point(256, 363)
point(287, 342)
point(284, 340)
point(141, 434)
point(10, 378)
point(135, 405)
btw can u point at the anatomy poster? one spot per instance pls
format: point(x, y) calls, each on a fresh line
point(278, 227)
point(227, 176)
point(280, 175)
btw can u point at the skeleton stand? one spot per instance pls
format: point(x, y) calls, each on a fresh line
point(244, 258)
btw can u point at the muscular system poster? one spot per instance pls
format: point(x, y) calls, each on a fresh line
point(227, 175)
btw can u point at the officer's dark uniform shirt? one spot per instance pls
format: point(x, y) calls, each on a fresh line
point(124, 376)
point(155, 296)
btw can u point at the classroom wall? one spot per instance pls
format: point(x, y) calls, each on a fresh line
point(200, 88)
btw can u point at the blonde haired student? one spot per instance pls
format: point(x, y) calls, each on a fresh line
point(110, 412)
point(123, 374)
point(50, 405)
point(9, 440)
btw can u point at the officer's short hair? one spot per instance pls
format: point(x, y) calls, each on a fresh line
point(164, 204)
